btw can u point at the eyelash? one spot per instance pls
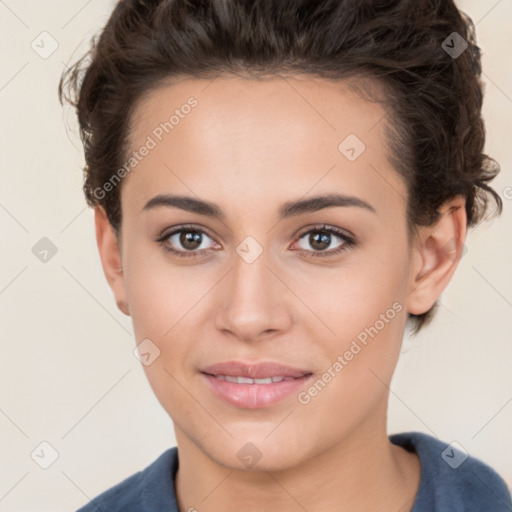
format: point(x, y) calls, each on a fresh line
point(347, 241)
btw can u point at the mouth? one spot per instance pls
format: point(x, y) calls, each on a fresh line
point(248, 380)
point(254, 386)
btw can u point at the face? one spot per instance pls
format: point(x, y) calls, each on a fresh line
point(278, 276)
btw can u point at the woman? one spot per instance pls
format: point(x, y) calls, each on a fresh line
point(280, 188)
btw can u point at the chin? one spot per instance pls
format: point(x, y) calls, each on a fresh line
point(256, 454)
point(273, 462)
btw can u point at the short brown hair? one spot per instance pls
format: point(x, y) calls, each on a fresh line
point(435, 128)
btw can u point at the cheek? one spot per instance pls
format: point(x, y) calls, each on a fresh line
point(359, 363)
point(162, 311)
point(169, 306)
point(363, 319)
point(161, 294)
point(368, 292)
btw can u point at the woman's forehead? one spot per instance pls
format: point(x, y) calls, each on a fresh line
point(231, 105)
point(250, 135)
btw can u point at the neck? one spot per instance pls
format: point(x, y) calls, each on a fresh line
point(363, 472)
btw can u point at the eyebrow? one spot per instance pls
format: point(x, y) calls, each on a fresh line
point(288, 209)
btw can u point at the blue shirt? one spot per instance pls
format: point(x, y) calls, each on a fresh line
point(450, 481)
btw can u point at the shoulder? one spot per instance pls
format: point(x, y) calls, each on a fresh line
point(451, 479)
point(147, 490)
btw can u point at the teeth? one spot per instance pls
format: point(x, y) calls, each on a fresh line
point(247, 380)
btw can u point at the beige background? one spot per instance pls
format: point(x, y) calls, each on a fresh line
point(68, 375)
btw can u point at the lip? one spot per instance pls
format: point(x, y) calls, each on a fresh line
point(254, 396)
point(254, 371)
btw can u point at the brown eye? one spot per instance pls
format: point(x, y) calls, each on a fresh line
point(190, 240)
point(186, 241)
point(321, 238)
point(319, 241)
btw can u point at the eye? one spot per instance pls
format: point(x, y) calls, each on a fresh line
point(186, 241)
point(192, 242)
point(320, 238)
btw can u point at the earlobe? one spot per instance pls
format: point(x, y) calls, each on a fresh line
point(437, 252)
point(110, 255)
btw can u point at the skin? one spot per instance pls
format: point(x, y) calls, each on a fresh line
point(249, 146)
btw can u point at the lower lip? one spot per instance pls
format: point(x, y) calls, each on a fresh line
point(254, 396)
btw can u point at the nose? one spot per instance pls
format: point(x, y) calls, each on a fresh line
point(253, 301)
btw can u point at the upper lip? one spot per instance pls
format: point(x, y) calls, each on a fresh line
point(254, 371)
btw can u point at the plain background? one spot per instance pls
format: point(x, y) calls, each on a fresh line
point(68, 374)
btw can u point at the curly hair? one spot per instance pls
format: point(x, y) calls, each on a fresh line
point(433, 125)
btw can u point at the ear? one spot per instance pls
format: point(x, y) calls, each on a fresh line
point(110, 255)
point(437, 252)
